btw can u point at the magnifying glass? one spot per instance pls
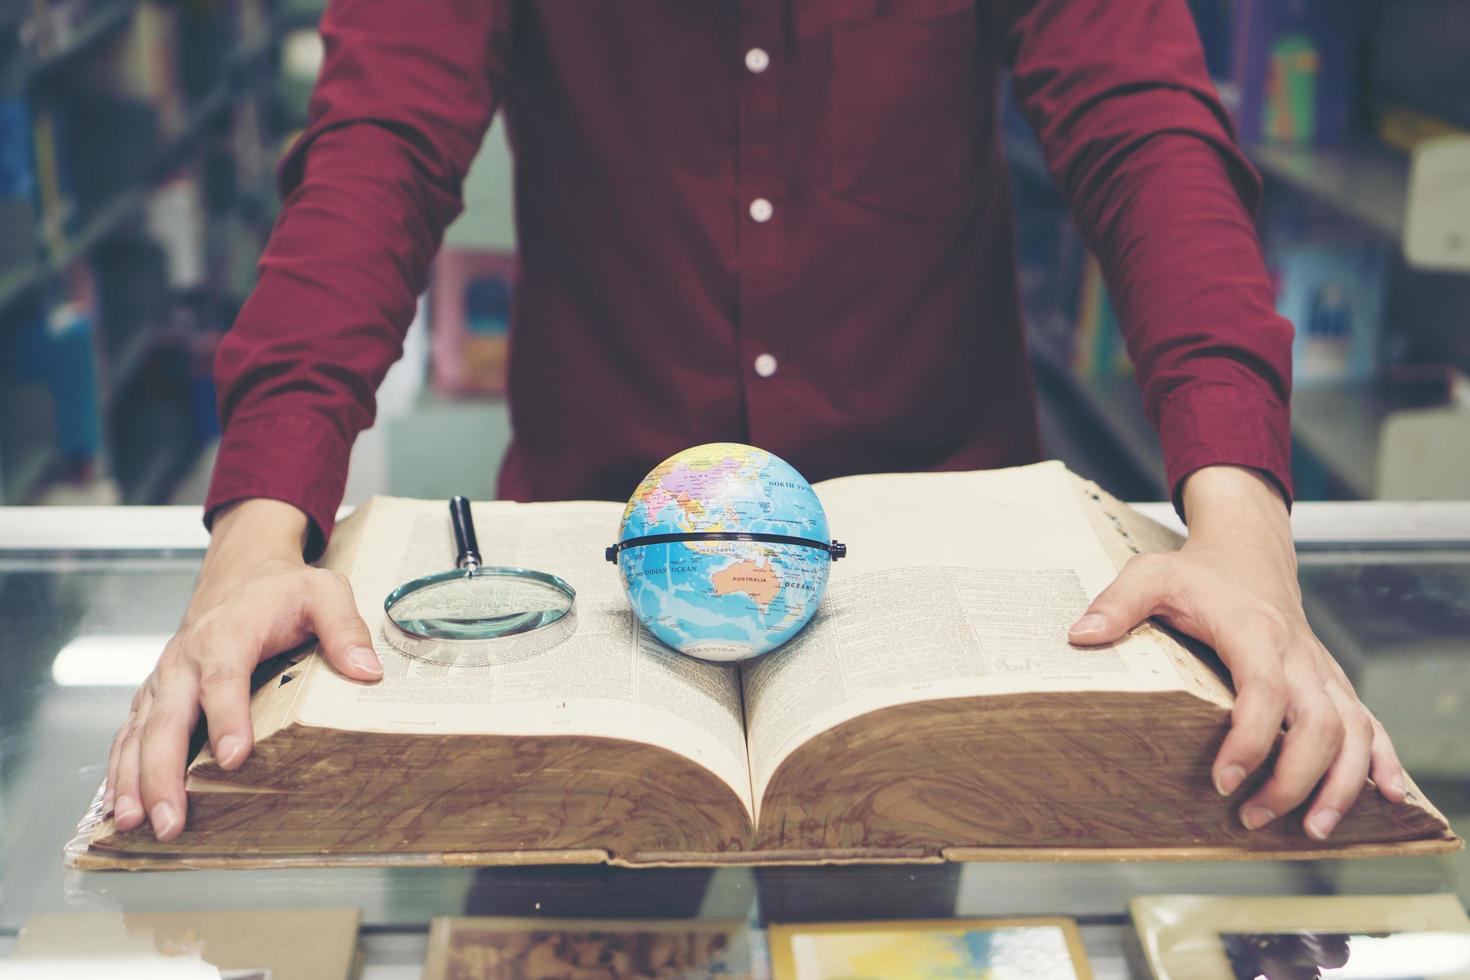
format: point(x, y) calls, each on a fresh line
point(478, 616)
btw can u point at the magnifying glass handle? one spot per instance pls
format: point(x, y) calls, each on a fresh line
point(464, 534)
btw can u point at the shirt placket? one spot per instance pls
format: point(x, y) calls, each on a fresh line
point(761, 219)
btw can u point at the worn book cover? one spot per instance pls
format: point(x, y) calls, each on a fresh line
point(1037, 949)
point(472, 948)
point(933, 710)
point(1366, 937)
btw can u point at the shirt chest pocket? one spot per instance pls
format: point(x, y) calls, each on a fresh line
point(902, 120)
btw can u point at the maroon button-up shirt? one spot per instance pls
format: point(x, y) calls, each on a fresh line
point(782, 222)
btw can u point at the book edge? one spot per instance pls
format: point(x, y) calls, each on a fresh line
point(476, 859)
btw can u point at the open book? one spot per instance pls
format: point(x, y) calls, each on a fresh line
point(932, 710)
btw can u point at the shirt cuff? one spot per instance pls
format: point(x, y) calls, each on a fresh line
point(1224, 425)
point(292, 458)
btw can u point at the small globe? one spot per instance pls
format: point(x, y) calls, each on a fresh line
point(696, 586)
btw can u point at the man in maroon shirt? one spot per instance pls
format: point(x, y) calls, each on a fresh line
point(776, 222)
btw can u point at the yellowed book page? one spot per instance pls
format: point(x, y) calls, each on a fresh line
point(956, 585)
point(1123, 533)
point(608, 680)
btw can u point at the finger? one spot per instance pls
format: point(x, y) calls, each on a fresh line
point(127, 810)
point(1313, 738)
point(1253, 645)
point(109, 786)
point(1385, 768)
point(1255, 722)
point(1347, 772)
point(1129, 600)
point(224, 694)
point(344, 637)
point(1384, 765)
point(165, 747)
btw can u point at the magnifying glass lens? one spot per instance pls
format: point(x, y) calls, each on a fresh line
point(477, 605)
point(478, 616)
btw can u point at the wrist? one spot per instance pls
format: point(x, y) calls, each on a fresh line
point(1233, 502)
point(245, 537)
point(259, 528)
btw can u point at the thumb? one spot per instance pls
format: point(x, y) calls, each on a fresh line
point(344, 637)
point(1131, 599)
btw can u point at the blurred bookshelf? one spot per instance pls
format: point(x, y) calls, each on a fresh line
point(138, 140)
point(116, 281)
point(1367, 184)
point(1377, 339)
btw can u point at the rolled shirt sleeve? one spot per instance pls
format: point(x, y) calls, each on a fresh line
point(1139, 145)
point(403, 100)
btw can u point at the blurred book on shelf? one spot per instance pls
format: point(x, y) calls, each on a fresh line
point(1437, 212)
point(253, 152)
point(1097, 350)
point(175, 219)
point(469, 315)
point(1291, 63)
point(1333, 294)
point(56, 207)
point(1403, 128)
point(17, 183)
point(142, 68)
point(50, 370)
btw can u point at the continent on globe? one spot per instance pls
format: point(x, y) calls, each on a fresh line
point(724, 551)
point(758, 581)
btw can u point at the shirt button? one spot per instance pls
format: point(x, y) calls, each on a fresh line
point(761, 210)
point(765, 365)
point(757, 60)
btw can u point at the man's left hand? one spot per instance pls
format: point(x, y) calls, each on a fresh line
point(1234, 586)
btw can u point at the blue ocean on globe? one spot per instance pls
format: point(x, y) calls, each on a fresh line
point(716, 599)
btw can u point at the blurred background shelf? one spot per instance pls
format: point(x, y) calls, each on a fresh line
point(147, 132)
point(125, 206)
point(1335, 166)
point(1366, 183)
point(1126, 444)
point(1339, 427)
point(1357, 87)
point(12, 13)
point(102, 23)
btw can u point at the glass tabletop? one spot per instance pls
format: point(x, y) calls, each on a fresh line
point(81, 628)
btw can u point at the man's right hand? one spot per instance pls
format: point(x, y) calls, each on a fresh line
point(255, 598)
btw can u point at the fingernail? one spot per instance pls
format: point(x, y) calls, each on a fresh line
point(1229, 779)
point(365, 660)
point(127, 809)
point(164, 821)
point(1254, 817)
point(1091, 623)
point(1397, 785)
point(230, 748)
point(1321, 823)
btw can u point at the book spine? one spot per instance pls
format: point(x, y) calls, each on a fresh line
point(18, 183)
